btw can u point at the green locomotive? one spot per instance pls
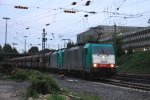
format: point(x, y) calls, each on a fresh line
point(88, 60)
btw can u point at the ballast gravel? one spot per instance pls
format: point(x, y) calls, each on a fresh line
point(11, 90)
point(104, 91)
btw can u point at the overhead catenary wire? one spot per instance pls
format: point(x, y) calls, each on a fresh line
point(21, 23)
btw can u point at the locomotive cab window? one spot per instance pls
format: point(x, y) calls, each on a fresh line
point(102, 50)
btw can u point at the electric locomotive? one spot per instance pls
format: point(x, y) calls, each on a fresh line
point(89, 60)
point(93, 60)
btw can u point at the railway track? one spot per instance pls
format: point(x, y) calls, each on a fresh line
point(138, 86)
point(133, 78)
point(130, 81)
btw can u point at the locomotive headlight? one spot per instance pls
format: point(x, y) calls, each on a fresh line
point(94, 65)
point(112, 65)
point(103, 57)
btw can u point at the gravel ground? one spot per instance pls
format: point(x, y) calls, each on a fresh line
point(11, 90)
point(104, 91)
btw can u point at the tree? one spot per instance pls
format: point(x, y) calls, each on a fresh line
point(129, 50)
point(7, 49)
point(119, 49)
point(15, 50)
point(0, 48)
point(0, 52)
point(47, 50)
point(33, 50)
point(90, 38)
point(70, 44)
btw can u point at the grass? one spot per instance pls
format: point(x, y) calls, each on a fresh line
point(43, 84)
point(138, 62)
point(76, 96)
point(56, 97)
point(22, 74)
point(31, 93)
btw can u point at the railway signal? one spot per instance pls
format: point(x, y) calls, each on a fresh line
point(86, 15)
point(27, 28)
point(92, 12)
point(74, 3)
point(88, 3)
point(21, 7)
point(47, 24)
point(69, 11)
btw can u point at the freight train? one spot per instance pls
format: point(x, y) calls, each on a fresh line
point(90, 60)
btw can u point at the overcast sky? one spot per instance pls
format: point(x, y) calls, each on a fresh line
point(30, 22)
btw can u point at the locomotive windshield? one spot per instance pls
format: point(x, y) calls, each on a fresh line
point(102, 50)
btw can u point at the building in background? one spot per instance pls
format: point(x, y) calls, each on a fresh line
point(137, 38)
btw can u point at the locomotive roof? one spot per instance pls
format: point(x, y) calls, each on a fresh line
point(90, 44)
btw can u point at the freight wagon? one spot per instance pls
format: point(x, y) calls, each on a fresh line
point(89, 60)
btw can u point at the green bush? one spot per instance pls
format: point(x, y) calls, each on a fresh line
point(43, 84)
point(40, 82)
point(22, 74)
point(31, 93)
point(19, 76)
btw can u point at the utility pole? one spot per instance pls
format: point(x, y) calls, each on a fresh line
point(6, 30)
point(25, 43)
point(98, 33)
point(114, 40)
point(14, 44)
point(65, 41)
point(43, 39)
point(58, 46)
